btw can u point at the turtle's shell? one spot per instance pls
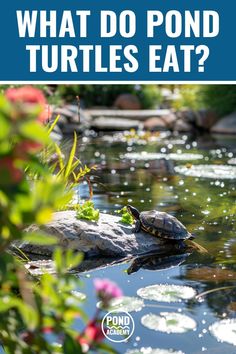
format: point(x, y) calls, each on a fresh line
point(163, 225)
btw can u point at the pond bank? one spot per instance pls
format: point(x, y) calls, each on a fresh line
point(104, 119)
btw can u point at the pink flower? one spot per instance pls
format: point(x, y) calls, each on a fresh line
point(30, 96)
point(28, 337)
point(107, 290)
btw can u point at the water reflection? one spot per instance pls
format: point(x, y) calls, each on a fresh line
point(157, 261)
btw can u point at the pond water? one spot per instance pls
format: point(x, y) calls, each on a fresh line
point(192, 178)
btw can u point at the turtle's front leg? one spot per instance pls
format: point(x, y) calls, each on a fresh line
point(137, 226)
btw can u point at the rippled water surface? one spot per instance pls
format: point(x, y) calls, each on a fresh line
point(161, 171)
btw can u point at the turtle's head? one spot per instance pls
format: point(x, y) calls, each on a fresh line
point(133, 211)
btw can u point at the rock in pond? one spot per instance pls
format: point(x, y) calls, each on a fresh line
point(112, 123)
point(226, 125)
point(127, 101)
point(106, 238)
point(183, 126)
point(155, 124)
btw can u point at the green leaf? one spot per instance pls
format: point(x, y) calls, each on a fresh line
point(71, 346)
point(72, 259)
point(29, 315)
point(50, 129)
point(5, 127)
point(37, 238)
point(34, 131)
point(105, 348)
point(58, 259)
point(71, 157)
point(60, 157)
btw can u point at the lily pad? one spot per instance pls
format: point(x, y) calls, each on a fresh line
point(169, 322)
point(153, 351)
point(76, 298)
point(146, 156)
point(78, 295)
point(232, 161)
point(125, 304)
point(224, 331)
point(167, 292)
point(208, 171)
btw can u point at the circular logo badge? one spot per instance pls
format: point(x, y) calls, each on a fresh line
point(118, 326)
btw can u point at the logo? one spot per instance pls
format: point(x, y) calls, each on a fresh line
point(118, 327)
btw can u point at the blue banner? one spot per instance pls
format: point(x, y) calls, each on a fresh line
point(94, 41)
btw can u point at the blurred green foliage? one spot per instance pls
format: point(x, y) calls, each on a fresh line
point(30, 191)
point(105, 95)
point(189, 97)
point(219, 98)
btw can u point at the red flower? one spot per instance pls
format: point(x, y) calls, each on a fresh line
point(47, 330)
point(92, 334)
point(8, 169)
point(27, 147)
point(31, 96)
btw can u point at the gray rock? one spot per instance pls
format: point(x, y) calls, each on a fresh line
point(107, 237)
point(155, 123)
point(68, 113)
point(187, 115)
point(169, 119)
point(205, 119)
point(226, 125)
point(109, 124)
point(70, 128)
point(71, 119)
point(56, 136)
point(182, 126)
point(141, 115)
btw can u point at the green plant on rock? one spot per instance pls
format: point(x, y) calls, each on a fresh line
point(126, 218)
point(87, 211)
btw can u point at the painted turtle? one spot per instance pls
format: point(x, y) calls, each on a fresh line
point(159, 224)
